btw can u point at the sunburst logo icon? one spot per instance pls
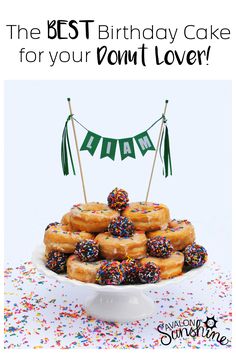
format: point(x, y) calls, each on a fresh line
point(210, 322)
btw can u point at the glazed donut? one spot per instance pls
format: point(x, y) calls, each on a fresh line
point(66, 218)
point(60, 237)
point(147, 216)
point(180, 233)
point(91, 217)
point(117, 248)
point(169, 267)
point(82, 271)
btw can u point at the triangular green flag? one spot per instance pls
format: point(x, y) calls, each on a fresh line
point(126, 148)
point(108, 148)
point(144, 142)
point(90, 143)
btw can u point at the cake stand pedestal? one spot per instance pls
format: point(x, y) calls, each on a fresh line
point(120, 307)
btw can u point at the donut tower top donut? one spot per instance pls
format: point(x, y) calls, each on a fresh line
point(121, 242)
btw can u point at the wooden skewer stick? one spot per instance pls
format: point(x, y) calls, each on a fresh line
point(77, 149)
point(156, 152)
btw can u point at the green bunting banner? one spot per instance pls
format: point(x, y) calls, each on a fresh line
point(109, 146)
point(126, 145)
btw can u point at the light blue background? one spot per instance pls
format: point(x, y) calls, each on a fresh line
point(199, 120)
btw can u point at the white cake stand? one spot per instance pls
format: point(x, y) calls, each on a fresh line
point(114, 303)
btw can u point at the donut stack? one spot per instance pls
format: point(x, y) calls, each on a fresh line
point(121, 243)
